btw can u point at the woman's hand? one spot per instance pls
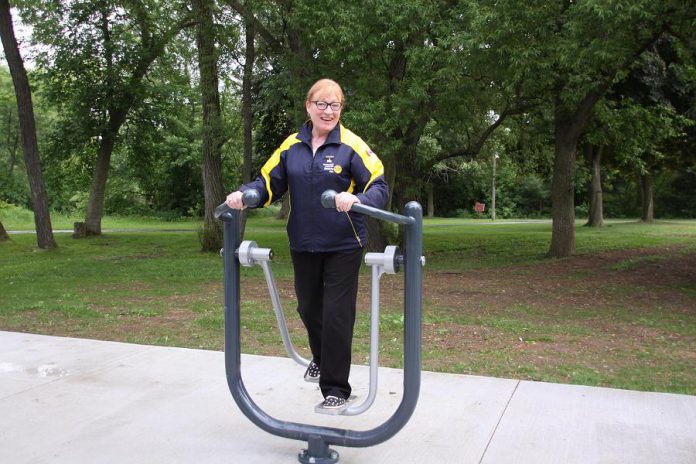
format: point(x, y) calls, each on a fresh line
point(234, 200)
point(345, 200)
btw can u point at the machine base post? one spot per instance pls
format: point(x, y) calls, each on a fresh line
point(317, 452)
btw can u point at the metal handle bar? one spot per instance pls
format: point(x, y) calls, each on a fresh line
point(250, 198)
point(328, 200)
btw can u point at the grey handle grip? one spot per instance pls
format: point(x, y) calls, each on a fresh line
point(250, 198)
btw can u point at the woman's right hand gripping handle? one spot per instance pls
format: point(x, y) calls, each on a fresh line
point(238, 200)
point(234, 200)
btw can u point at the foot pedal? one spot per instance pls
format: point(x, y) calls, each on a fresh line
point(320, 409)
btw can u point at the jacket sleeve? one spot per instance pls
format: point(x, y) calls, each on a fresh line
point(272, 182)
point(368, 174)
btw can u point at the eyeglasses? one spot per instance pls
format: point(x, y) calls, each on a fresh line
point(335, 106)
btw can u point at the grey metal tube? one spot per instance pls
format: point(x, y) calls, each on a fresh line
point(377, 272)
point(280, 317)
point(412, 346)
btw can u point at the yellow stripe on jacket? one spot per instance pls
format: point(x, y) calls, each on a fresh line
point(273, 162)
point(370, 160)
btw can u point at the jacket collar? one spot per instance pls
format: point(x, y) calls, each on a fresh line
point(305, 134)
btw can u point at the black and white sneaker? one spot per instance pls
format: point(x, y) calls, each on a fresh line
point(333, 402)
point(312, 373)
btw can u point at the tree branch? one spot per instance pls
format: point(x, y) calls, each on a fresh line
point(474, 148)
point(578, 119)
point(275, 44)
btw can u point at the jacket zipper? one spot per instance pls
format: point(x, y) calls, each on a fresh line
point(312, 187)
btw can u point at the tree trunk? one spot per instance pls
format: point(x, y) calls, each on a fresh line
point(493, 192)
point(284, 207)
point(596, 213)
point(407, 185)
point(97, 192)
point(646, 183)
point(107, 140)
point(3, 234)
point(431, 201)
point(563, 189)
point(27, 124)
point(211, 236)
point(247, 109)
point(376, 237)
point(247, 112)
point(390, 177)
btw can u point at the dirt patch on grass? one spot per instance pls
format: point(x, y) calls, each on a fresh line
point(586, 319)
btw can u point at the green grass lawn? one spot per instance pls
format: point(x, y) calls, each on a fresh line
point(457, 244)
point(494, 305)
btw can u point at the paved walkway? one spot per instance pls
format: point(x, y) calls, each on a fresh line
point(65, 400)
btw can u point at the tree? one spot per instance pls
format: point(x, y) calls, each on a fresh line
point(632, 34)
point(656, 98)
point(247, 96)
point(593, 154)
point(211, 237)
point(157, 168)
point(14, 187)
point(27, 124)
point(99, 54)
point(247, 103)
point(285, 53)
point(10, 134)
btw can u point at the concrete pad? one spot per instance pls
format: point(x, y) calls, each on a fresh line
point(30, 360)
point(66, 400)
point(550, 423)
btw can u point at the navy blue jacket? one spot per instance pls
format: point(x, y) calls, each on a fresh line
point(344, 163)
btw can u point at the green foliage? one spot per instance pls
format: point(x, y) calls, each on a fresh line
point(11, 215)
point(434, 87)
point(459, 186)
point(159, 166)
point(14, 186)
point(532, 195)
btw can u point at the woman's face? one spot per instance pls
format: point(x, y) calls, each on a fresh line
point(324, 120)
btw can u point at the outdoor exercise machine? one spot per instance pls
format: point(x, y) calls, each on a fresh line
point(317, 437)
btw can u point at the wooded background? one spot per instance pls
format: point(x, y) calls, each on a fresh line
point(569, 108)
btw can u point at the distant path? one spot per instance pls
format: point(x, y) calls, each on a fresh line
point(68, 231)
point(495, 223)
point(505, 222)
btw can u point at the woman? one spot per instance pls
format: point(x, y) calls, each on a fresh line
point(326, 245)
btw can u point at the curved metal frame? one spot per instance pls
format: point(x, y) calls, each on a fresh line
point(318, 437)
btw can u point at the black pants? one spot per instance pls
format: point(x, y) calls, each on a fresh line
point(326, 285)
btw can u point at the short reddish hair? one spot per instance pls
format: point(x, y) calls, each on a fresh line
point(325, 84)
